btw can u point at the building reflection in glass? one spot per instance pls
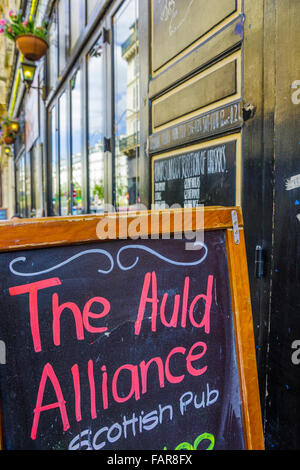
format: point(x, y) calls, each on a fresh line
point(126, 96)
point(77, 143)
point(96, 127)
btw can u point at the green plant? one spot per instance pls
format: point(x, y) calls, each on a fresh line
point(5, 126)
point(99, 190)
point(6, 121)
point(17, 25)
point(8, 134)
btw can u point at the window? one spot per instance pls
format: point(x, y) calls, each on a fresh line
point(37, 181)
point(28, 184)
point(76, 23)
point(54, 165)
point(84, 175)
point(63, 155)
point(91, 4)
point(77, 140)
point(21, 188)
point(53, 51)
point(62, 33)
point(96, 126)
point(126, 112)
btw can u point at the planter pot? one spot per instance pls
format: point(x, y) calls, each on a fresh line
point(6, 129)
point(32, 47)
point(8, 140)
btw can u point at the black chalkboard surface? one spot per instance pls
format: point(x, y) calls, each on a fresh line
point(203, 176)
point(127, 344)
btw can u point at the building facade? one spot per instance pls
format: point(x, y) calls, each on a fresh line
point(176, 102)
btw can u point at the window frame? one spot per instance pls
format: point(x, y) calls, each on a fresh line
point(104, 28)
point(78, 68)
point(111, 15)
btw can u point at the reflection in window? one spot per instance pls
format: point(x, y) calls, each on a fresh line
point(54, 165)
point(126, 94)
point(37, 181)
point(63, 154)
point(76, 23)
point(53, 51)
point(90, 6)
point(21, 192)
point(28, 184)
point(77, 136)
point(96, 123)
point(63, 32)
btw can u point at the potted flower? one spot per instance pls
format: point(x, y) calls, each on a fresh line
point(10, 126)
point(8, 137)
point(31, 40)
point(9, 129)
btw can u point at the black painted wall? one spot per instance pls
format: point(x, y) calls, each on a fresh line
point(282, 427)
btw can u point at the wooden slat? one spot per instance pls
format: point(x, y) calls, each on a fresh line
point(212, 49)
point(173, 33)
point(244, 339)
point(196, 93)
point(60, 231)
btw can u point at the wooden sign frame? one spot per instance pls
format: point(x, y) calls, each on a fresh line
point(62, 231)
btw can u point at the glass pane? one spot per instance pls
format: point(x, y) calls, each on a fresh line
point(77, 138)
point(63, 32)
point(53, 57)
point(37, 183)
point(126, 125)
point(28, 184)
point(76, 22)
point(90, 6)
point(21, 186)
point(54, 165)
point(63, 154)
point(96, 123)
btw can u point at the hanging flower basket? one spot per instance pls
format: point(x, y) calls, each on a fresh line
point(6, 129)
point(32, 47)
point(9, 127)
point(8, 140)
point(31, 40)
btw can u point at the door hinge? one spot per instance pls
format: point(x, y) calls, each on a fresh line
point(259, 262)
point(235, 225)
point(249, 111)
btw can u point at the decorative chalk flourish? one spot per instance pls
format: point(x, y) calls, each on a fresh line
point(69, 260)
point(158, 255)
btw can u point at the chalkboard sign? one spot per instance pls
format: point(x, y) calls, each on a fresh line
point(127, 344)
point(3, 214)
point(206, 175)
